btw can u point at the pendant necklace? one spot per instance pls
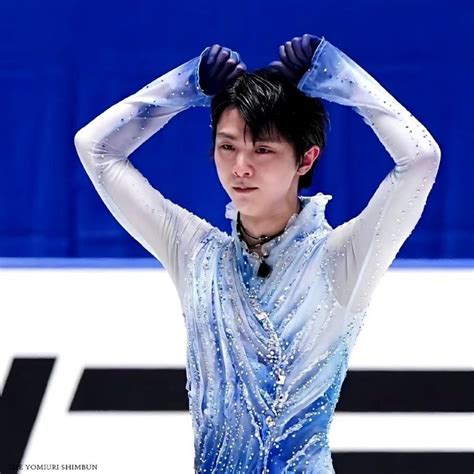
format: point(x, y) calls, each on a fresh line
point(264, 269)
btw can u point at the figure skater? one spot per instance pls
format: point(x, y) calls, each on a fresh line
point(272, 311)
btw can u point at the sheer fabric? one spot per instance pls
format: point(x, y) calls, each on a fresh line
point(266, 357)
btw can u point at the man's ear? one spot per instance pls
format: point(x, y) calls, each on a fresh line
point(309, 158)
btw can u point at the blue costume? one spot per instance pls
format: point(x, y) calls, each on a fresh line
point(266, 357)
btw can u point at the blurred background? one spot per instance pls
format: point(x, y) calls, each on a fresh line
point(93, 342)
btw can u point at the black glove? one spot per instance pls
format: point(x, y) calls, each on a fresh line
point(296, 56)
point(218, 68)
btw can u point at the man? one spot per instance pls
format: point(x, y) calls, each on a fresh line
point(272, 311)
point(272, 160)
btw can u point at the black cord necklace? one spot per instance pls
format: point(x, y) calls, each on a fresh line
point(264, 269)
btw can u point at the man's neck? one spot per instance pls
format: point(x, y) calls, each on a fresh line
point(268, 226)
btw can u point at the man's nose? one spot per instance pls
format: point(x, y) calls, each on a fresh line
point(242, 164)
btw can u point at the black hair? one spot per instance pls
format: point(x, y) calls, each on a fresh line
point(269, 102)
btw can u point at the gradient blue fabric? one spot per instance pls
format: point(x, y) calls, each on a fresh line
point(266, 357)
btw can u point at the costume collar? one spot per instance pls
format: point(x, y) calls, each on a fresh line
point(308, 219)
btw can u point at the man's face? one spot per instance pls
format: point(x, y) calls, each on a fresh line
point(269, 166)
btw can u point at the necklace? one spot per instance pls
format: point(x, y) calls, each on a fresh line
point(264, 269)
point(261, 240)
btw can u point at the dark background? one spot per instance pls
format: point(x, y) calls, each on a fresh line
point(63, 63)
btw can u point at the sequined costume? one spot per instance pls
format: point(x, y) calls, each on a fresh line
point(266, 357)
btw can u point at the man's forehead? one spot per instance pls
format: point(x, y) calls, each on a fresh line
point(234, 135)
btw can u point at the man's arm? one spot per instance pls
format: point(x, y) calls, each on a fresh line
point(168, 231)
point(360, 250)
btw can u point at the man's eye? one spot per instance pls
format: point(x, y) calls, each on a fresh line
point(264, 150)
point(227, 147)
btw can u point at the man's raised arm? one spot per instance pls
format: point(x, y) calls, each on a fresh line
point(165, 229)
point(361, 250)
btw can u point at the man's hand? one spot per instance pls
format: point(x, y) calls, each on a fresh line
point(295, 57)
point(219, 67)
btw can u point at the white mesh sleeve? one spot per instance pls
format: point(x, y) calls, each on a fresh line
point(168, 231)
point(361, 250)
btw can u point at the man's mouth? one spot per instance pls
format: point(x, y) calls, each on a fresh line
point(244, 190)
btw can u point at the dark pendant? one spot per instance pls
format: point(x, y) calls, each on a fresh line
point(264, 270)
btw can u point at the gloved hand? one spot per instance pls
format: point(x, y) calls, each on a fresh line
point(218, 68)
point(295, 57)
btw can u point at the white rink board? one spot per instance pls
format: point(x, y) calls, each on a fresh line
point(419, 319)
